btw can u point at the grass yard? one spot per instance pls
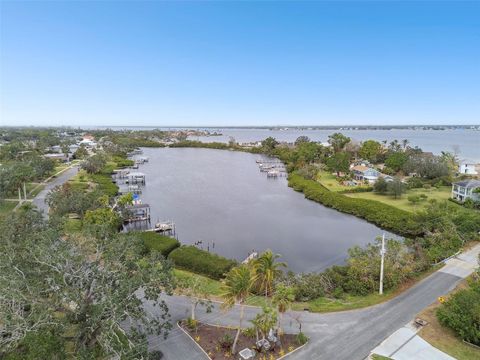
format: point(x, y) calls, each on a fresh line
point(7, 206)
point(207, 285)
point(444, 338)
point(440, 194)
point(329, 180)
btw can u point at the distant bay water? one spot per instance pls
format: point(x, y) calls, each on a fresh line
point(466, 142)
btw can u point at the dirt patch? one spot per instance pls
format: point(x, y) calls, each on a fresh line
point(209, 337)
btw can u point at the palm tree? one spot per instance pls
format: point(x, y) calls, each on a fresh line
point(267, 270)
point(236, 288)
point(405, 142)
point(283, 298)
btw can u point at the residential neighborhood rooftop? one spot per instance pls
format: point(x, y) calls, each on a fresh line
point(469, 184)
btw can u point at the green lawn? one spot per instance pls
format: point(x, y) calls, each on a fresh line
point(330, 181)
point(208, 285)
point(440, 194)
point(7, 206)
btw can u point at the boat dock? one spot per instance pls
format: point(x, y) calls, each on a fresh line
point(138, 213)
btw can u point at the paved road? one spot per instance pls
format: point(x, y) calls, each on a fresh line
point(39, 200)
point(345, 335)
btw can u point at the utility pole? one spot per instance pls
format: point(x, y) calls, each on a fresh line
point(382, 253)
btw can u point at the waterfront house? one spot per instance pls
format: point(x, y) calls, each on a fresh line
point(466, 189)
point(469, 169)
point(365, 173)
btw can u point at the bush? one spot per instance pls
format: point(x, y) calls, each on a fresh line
point(161, 243)
point(301, 338)
point(383, 215)
point(191, 324)
point(308, 286)
point(461, 314)
point(201, 262)
point(43, 344)
point(155, 355)
point(226, 342)
point(249, 332)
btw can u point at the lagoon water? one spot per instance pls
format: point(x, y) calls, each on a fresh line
point(466, 142)
point(221, 198)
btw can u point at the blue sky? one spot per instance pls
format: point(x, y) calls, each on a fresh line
point(242, 63)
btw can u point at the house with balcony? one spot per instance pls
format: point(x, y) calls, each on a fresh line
point(365, 173)
point(466, 189)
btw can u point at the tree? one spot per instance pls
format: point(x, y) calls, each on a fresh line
point(283, 299)
point(371, 150)
point(380, 186)
point(339, 162)
point(268, 269)
point(94, 163)
point(302, 139)
point(192, 288)
point(429, 167)
point(81, 152)
point(265, 320)
point(236, 288)
point(307, 152)
point(338, 141)
point(64, 199)
point(461, 313)
point(396, 161)
point(96, 291)
point(396, 188)
point(101, 222)
point(451, 160)
point(232, 142)
point(269, 144)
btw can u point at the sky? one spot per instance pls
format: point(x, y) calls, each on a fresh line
point(151, 63)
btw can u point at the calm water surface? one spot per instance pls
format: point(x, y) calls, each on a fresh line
point(465, 142)
point(221, 197)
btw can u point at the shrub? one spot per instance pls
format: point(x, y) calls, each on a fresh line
point(191, 324)
point(308, 286)
point(201, 262)
point(249, 332)
point(415, 182)
point(161, 243)
point(461, 314)
point(383, 215)
point(301, 338)
point(155, 355)
point(226, 342)
point(43, 344)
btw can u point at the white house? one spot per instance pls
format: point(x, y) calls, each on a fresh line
point(365, 173)
point(466, 189)
point(469, 169)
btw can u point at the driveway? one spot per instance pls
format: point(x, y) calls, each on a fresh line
point(39, 200)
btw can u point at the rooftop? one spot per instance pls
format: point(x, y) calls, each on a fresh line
point(469, 184)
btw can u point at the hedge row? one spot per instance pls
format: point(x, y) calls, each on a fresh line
point(396, 220)
point(164, 244)
point(201, 262)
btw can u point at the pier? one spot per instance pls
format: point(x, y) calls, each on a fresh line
point(136, 178)
point(138, 213)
